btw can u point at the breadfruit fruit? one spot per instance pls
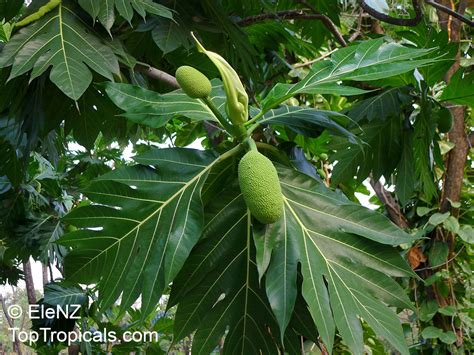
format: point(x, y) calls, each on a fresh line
point(445, 122)
point(260, 186)
point(194, 83)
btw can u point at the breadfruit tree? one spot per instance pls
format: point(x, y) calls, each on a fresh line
point(217, 200)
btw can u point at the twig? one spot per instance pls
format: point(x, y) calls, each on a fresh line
point(358, 31)
point(393, 20)
point(294, 15)
point(16, 343)
point(390, 204)
point(157, 74)
point(327, 22)
point(442, 264)
point(451, 12)
point(311, 62)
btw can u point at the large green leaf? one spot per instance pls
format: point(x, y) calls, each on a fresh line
point(423, 148)
point(406, 169)
point(91, 114)
point(380, 157)
point(60, 40)
point(218, 286)
point(340, 244)
point(9, 9)
point(105, 10)
point(11, 165)
point(389, 103)
point(140, 228)
point(308, 121)
point(170, 35)
point(153, 109)
point(460, 90)
point(424, 36)
point(64, 294)
point(346, 262)
point(370, 60)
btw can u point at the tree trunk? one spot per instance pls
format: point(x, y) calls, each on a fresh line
point(455, 164)
point(30, 286)
point(16, 343)
point(456, 160)
point(44, 268)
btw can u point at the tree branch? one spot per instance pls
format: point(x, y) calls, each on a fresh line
point(157, 75)
point(456, 160)
point(357, 32)
point(16, 343)
point(450, 12)
point(294, 15)
point(392, 206)
point(30, 286)
point(327, 22)
point(393, 20)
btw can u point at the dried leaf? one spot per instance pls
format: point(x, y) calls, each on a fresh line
point(415, 257)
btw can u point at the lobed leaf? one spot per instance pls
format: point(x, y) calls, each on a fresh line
point(218, 286)
point(308, 121)
point(153, 109)
point(341, 244)
point(105, 10)
point(369, 60)
point(141, 226)
point(60, 40)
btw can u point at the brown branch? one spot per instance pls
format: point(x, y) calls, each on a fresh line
point(157, 75)
point(456, 160)
point(30, 286)
point(311, 62)
point(393, 20)
point(458, 155)
point(294, 15)
point(450, 12)
point(391, 205)
point(327, 22)
point(358, 31)
point(16, 343)
point(444, 263)
point(455, 165)
point(44, 269)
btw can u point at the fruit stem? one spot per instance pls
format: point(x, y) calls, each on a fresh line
point(252, 128)
point(228, 127)
point(230, 153)
point(257, 116)
point(249, 144)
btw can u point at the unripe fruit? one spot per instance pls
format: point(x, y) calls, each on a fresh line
point(260, 186)
point(322, 173)
point(445, 122)
point(194, 83)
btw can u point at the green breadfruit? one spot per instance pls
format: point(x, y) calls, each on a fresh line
point(194, 83)
point(445, 121)
point(260, 186)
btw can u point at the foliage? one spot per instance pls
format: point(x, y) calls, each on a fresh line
point(164, 240)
